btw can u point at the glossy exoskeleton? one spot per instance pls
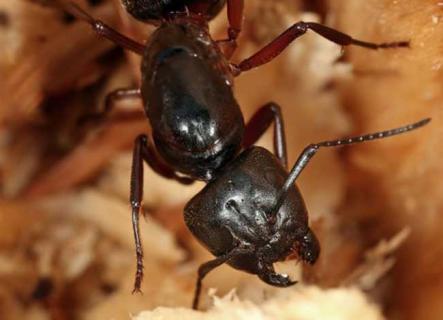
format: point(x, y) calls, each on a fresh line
point(148, 10)
point(253, 215)
point(250, 214)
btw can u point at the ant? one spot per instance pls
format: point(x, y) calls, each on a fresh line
point(250, 214)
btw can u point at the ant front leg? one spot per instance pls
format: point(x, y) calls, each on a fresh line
point(136, 196)
point(111, 99)
point(274, 48)
point(260, 122)
point(144, 152)
point(207, 267)
point(235, 17)
point(312, 149)
point(103, 30)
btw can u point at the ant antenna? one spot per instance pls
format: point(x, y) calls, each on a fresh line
point(75, 10)
point(312, 149)
point(78, 12)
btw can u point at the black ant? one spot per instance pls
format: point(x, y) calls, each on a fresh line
point(250, 214)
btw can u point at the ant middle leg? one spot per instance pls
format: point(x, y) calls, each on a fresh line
point(143, 151)
point(260, 122)
point(103, 30)
point(235, 18)
point(275, 47)
point(110, 100)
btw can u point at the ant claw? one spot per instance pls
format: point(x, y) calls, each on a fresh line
point(137, 290)
point(277, 280)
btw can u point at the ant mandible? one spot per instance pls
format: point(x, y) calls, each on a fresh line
point(250, 214)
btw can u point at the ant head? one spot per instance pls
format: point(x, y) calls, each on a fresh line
point(148, 10)
point(238, 207)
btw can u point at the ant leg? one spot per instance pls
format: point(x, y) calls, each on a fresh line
point(110, 100)
point(144, 152)
point(312, 149)
point(135, 198)
point(235, 17)
point(207, 267)
point(260, 122)
point(103, 30)
point(274, 48)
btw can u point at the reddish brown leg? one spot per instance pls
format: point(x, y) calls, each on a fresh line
point(144, 152)
point(235, 17)
point(274, 48)
point(103, 30)
point(260, 122)
point(136, 196)
point(111, 98)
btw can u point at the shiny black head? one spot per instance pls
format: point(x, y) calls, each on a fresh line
point(149, 10)
point(238, 208)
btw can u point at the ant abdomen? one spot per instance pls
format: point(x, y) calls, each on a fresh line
point(148, 10)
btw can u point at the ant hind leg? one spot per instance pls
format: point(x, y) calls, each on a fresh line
point(275, 47)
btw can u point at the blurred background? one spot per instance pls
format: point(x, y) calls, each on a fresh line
point(66, 248)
